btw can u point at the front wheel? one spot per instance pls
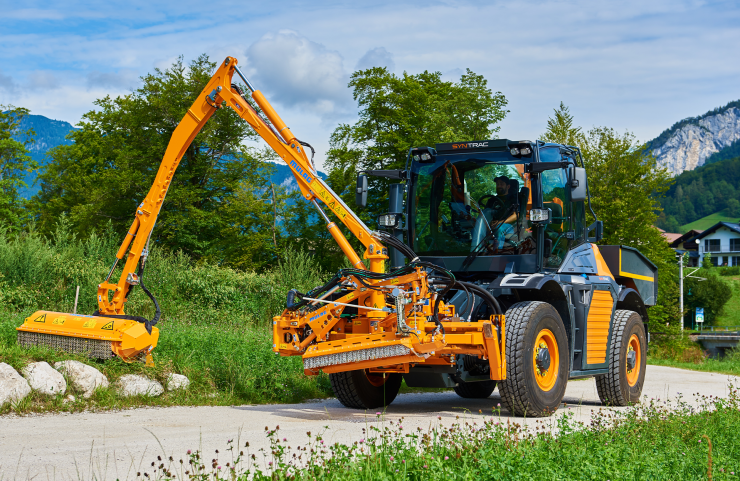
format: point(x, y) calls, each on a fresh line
point(536, 359)
point(622, 385)
point(364, 390)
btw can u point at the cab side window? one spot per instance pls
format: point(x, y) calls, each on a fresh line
point(556, 197)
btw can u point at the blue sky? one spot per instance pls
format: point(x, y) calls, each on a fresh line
point(632, 65)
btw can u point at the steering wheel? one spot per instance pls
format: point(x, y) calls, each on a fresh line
point(497, 200)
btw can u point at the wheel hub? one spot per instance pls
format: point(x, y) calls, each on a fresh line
point(631, 359)
point(543, 359)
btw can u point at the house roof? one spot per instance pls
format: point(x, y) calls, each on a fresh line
point(685, 237)
point(729, 225)
point(670, 236)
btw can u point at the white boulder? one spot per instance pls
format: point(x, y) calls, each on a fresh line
point(135, 385)
point(13, 387)
point(44, 379)
point(84, 378)
point(177, 381)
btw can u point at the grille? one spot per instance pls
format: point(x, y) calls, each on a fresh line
point(93, 348)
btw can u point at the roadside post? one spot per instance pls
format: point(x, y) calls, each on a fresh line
point(699, 316)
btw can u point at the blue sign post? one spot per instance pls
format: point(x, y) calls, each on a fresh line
point(699, 315)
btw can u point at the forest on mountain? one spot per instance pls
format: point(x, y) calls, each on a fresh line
point(701, 192)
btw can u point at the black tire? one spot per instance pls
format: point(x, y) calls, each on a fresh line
point(475, 390)
point(520, 391)
point(622, 386)
point(355, 390)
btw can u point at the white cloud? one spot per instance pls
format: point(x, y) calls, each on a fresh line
point(298, 72)
point(43, 80)
point(7, 83)
point(123, 79)
point(377, 57)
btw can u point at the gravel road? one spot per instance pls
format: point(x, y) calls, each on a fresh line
point(115, 445)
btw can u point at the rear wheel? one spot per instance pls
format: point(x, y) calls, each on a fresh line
point(622, 385)
point(536, 359)
point(364, 390)
point(475, 390)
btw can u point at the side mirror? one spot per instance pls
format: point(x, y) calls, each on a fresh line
point(598, 227)
point(578, 189)
point(361, 193)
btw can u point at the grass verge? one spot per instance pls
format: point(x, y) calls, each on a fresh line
point(649, 441)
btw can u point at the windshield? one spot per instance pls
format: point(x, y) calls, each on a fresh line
point(473, 204)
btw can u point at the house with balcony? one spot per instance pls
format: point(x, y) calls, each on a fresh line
point(721, 242)
point(687, 244)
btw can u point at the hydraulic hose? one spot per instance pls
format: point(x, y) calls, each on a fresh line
point(485, 295)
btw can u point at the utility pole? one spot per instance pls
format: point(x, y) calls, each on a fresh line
point(680, 284)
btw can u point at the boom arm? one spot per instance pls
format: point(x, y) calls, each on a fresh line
point(217, 94)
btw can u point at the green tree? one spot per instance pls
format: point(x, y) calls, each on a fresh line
point(711, 294)
point(626, 187)
point(14, 163)
point(216, 208)
point(398, 113)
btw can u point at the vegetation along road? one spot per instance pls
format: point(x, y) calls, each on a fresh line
point(110, 445)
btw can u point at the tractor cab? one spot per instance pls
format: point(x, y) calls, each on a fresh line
point(495, 205)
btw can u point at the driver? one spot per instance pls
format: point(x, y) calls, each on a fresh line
point(506, 191)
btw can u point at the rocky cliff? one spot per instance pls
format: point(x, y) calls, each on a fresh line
point(689, 143)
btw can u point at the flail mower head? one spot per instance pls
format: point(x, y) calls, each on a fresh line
point(94, 336)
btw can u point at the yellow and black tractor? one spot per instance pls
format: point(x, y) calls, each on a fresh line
point(482, 274)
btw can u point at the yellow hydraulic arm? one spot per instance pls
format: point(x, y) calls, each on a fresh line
point(219, 93)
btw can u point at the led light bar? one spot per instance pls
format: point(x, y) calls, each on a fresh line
point(355, 356)
point(539, 215)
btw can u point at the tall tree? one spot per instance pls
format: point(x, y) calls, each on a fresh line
point(397, 113)
point(14, 163)
point(626, 187)
point(217, 191)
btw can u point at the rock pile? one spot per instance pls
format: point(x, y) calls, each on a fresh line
point(42, 378)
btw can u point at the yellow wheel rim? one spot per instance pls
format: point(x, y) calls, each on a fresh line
point(633, 374)
point(546, 377)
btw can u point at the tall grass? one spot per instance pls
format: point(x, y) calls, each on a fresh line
point(654, 440)
point(215, 324)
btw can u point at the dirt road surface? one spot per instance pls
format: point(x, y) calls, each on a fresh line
point(115, 445)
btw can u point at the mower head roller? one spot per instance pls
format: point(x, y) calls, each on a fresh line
point(94, 336)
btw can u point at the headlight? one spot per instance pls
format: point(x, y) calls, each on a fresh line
point(539, 215)
point(388, 220)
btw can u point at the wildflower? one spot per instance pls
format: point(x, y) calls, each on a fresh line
point(404, 461)
point(425, 466)
point(391, 458)
point(285, 439)
point(362, 440)
point(446, 458)
point(189, 451)
point(377, 413)
point(270, 463)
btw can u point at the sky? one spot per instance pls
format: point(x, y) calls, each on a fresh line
point(632, 65)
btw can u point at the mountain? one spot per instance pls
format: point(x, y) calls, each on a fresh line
point(51, 133)
point(692, 142)
point(709, 192)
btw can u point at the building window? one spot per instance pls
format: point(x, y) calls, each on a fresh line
point(711, 245)
point(735, 245)
point(736, 260)
point(715, 261)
